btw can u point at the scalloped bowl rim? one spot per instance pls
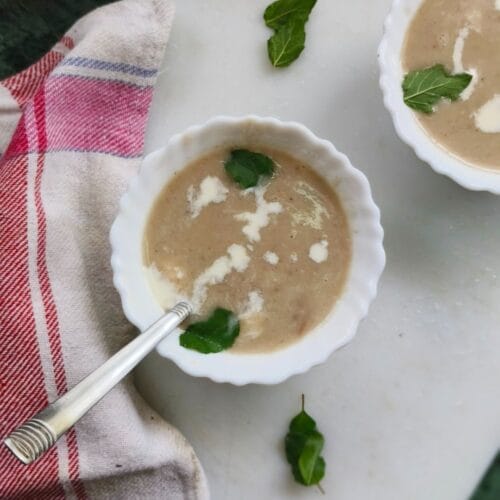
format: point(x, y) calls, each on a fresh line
point(406, 125)
point(367, 263)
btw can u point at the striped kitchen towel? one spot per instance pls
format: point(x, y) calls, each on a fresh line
point(71, 135)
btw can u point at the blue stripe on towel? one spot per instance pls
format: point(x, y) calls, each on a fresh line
point(130, 69)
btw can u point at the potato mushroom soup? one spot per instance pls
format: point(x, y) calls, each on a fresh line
point(276, 254)
point(464, 37)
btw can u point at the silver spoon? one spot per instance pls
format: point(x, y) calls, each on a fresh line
point(37, 435)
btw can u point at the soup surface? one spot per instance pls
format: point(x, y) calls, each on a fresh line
point(464, 36)
point(277, 255)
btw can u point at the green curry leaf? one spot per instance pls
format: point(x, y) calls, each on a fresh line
point(286, 44)
point(283, 11)
point(489, 487)
point(288, 18)
point(303, 446)
point(215, 334)
point(303, 423)
point(423, 88)
point(247, 168)
point(309, 458)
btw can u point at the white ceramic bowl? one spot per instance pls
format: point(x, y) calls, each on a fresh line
point(352, 187)
point(405, 122)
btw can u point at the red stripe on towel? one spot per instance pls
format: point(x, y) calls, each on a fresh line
point(104, 116)
point(23, 86)
point(46, 288)
point(22, 388)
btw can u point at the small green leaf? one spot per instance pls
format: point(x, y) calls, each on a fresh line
point(283, 11)
point(319, 471)
point(309, 457)
point(288, 18)
point(294, 444)
point(422, 89)
point(303, 445)
point(286, 44)
point(215, 334)
point(302, 423)
point(247, 168)
point(489, 487)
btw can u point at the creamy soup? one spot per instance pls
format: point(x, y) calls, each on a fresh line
point(464, 36)
point(277, 255)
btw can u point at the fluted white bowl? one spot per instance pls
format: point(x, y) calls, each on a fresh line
point(368, 257)
point(405, 121)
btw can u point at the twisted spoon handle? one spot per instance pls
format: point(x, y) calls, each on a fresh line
point(37, 435)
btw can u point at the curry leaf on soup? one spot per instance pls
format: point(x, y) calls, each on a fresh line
point(215, 334)
point(423, 88)
point(303, 446)
point(283, 11)
point(247, 168)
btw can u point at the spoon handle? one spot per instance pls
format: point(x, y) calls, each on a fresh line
point(37, 435)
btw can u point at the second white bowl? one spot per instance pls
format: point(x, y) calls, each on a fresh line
point(405, 122)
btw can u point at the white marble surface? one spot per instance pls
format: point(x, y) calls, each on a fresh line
point(410, 409)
